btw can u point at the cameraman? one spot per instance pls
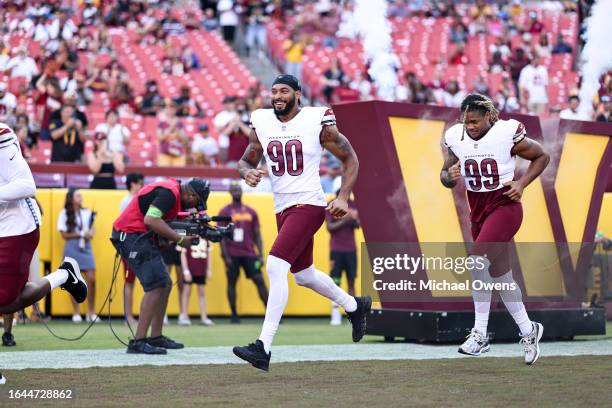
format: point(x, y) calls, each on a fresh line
point(136, 237)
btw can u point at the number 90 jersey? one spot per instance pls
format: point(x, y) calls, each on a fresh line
point(487, 163)
point(293, 153)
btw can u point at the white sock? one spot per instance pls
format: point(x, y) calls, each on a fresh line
point(324, 285)
point(277, 299)
point(513, 299)
point(482, 297)
point(57, 278)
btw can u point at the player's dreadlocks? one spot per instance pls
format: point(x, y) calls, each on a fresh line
point(481, 103)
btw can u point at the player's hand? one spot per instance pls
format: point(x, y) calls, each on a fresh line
point(454, 172)
point(188, 241)
point(187, 276)
point(338, 208)
point(253, 177)
point(516, 190)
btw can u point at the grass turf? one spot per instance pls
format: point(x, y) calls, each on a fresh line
point(34, 336)
point(478, 382)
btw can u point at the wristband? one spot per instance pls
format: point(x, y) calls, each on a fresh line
point(180, 241)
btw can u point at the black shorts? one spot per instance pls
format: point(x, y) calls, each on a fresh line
point(145, 259)
point(343, 261)
point(171, 256)
point(247, 263)
point(198, 280)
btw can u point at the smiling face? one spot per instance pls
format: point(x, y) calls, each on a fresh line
point(477, 123)
point(284, 99)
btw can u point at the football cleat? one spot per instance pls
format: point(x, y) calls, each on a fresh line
point(75, 285)
point(358, 318)
point(475, 345)
point(142, 347)
point(164, 342)
point(255, 354)
point(531, 343)
point(8, 340)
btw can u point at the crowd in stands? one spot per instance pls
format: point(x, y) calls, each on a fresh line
point(68, 86)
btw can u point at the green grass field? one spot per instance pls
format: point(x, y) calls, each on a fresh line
point(467, 382)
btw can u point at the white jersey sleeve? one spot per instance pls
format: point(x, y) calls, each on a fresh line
point(19, 213)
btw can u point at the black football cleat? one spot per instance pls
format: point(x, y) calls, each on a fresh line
point(8, 340)
point(142, 347)
point(358, 318)
point(255, 354)
point(75, 285)
point(164, 342)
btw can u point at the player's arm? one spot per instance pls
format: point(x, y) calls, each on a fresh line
point(16, 170)
point(531, 150)
point(451, 171)
point(338, 145)
point(247, 166)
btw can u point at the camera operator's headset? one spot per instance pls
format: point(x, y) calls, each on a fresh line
point(202, 190)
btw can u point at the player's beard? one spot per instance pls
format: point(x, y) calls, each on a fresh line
point(288, 107)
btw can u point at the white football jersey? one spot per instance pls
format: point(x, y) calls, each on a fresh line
point(19, 213)
point(293, 153)
point(487, 163)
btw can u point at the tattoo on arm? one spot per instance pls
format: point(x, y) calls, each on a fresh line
point(253, 153)
point(336, 142)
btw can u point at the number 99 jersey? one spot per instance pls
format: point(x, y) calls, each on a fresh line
point(487, 163)
point(293, 153)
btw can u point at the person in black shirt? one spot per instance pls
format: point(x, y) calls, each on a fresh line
point(67, 137)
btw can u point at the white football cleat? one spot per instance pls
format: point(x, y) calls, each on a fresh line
point(475, 345)
point(531, 343)
point(2, 379)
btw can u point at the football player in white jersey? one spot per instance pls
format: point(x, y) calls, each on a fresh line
point(292, 139)
point(482, 151)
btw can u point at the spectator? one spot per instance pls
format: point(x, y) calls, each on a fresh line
point(500, 45)
point(49, 99)
point(534, 26)
point(307, 22)
point(562, 47)
point(171, 137)
point(191, 21)
point(23, 120)
point(151, 102)
point(196, 263)
point(334, 170)
point(104, 163)
point(497, 63)
point(363, 86)
point(344, 92)
point(68, 83)
point(8, 103)
point(62, 27)
point(91, 13)
point(532, 85)
point(480, 85)
point(543, 47)
point(190, 60)
point(221, 122)
point(209, 21)
point(117, 134)
point(22, 65)
point(572, 112)
point(66, 58)
point(122, 98)
point(505, 98)
point(76, 225)
point(228, 19)
point(244, 251)
point(604, 111)
point(237, 132)
point(294, 51)
point(453, 95)
point(458, 56)
point(84, 94)
point(70, 99)
point(67, 137)
point(459, 31)
point(186, 105)
point(22, 136)
point(329, 25)
point(332, 77)
point(518, 61)
point(204, 149)
point(256, 31)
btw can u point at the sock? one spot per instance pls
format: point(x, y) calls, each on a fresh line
point(482, 297)
point(57, 278)
point(277, 299)
point(324, 285)
point(513, 299)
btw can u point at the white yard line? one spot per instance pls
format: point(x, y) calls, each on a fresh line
point(59, 359)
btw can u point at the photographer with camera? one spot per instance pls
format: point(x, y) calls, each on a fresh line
point(136, 236)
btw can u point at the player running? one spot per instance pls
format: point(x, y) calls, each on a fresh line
point(292, 139)
point(482, 150)
point(19, 235)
